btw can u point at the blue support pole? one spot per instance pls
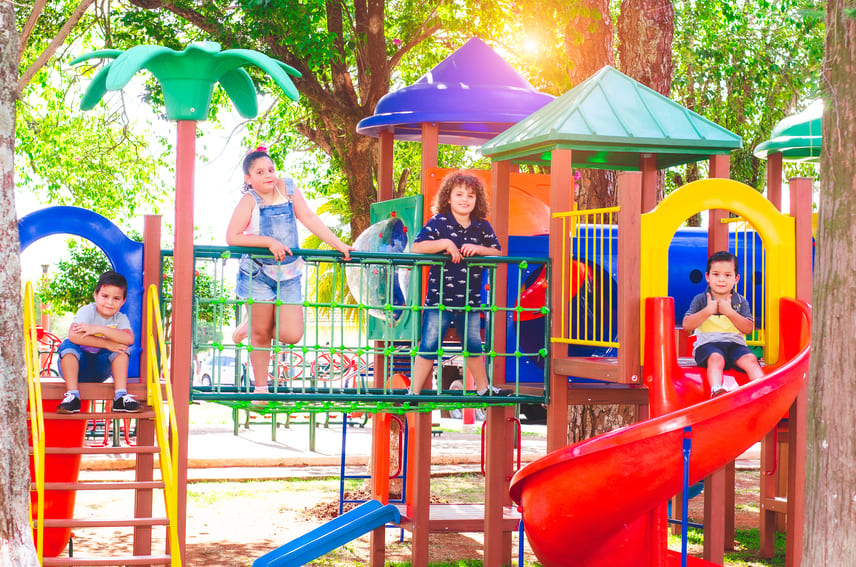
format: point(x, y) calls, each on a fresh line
point(685, 497)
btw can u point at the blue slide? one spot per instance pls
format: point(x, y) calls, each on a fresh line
point(335, 533)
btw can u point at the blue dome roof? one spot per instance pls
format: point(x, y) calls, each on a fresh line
point(473, 95)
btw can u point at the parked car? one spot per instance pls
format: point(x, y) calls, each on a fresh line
point(224, 373)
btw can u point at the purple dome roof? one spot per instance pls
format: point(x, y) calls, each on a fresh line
point(473, 95)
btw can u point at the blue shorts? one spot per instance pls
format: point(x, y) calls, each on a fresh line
point(435, 323)
point(264, 288)
point(731, 352)
point(93, 366)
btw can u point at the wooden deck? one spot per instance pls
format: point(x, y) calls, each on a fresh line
point(460, 518)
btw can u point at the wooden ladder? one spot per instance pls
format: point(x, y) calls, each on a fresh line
point(141, 520)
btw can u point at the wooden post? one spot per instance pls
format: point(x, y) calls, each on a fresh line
point(430, 143)
point(714, 517)
point(143, 504)
point(420, 509)
point(648, 167)
point(798, 415)
point(380, 422)
point(385, 186)
point(561, 200)
point(496, 485)
point(380, 483)
point(717, 231)
point(774, 179)
point(715, 485)
point(500, 191)
point(379, 460)
point(629, 271)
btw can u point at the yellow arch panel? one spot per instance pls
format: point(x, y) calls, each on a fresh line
point(775, 229)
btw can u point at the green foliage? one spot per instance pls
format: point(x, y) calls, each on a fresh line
point(746, 66)
point(73, 282)
point(66, 157)
point(99, 160)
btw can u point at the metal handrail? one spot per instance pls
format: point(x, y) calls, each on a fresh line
point(37, 418)
point(167, 438)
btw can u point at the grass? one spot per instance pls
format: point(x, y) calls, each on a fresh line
point(746, 546)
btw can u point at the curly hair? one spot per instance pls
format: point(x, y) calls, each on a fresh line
point(458, 178)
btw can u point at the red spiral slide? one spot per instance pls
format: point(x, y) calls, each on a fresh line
point(601, 502)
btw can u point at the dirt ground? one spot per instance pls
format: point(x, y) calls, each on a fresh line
point(232, 524)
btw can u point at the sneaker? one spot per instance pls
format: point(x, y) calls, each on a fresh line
point(717, 393)
point(494, 391)
point(69, 404)
point(126, 404)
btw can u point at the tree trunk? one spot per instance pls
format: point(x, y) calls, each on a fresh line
point(830, 514)
point(645, 31)
point(16, 538)
point(587, 421)
point(588, 43)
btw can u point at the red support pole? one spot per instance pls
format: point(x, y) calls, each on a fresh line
point(182, 306)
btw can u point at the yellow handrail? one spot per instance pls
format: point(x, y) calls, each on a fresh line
point(37, 418)
point(157, 369)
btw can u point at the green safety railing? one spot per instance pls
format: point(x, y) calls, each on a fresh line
point(356, 314)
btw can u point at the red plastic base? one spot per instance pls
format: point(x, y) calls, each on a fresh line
point(59, 504)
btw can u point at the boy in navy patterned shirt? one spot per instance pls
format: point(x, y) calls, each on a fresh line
point(459, 229)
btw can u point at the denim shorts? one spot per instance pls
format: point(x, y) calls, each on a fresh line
point(435, 323)
point(264, 288)
point(93, 366)
point(731, 352)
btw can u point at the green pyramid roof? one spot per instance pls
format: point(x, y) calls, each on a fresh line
point(609, 120)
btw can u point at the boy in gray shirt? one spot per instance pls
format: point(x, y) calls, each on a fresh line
point(97, 346)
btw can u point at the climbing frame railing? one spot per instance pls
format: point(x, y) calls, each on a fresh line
point(590, 251)
point(360, 317)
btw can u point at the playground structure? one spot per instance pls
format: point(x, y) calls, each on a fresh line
point(640, 270)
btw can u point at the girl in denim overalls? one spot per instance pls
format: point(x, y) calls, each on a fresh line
point(266, 217)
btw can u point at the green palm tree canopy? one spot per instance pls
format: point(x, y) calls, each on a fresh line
point(188, 77)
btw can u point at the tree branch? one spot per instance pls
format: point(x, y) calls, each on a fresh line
point(424, 32)
point(38, 8)
point(54, 45)
point(343, 87)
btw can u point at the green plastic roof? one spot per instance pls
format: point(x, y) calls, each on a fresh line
point(609, 121)
point(797, 138)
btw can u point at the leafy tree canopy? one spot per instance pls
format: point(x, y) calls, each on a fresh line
point(107, 160)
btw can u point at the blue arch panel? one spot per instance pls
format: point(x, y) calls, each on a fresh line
point(124, 254)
